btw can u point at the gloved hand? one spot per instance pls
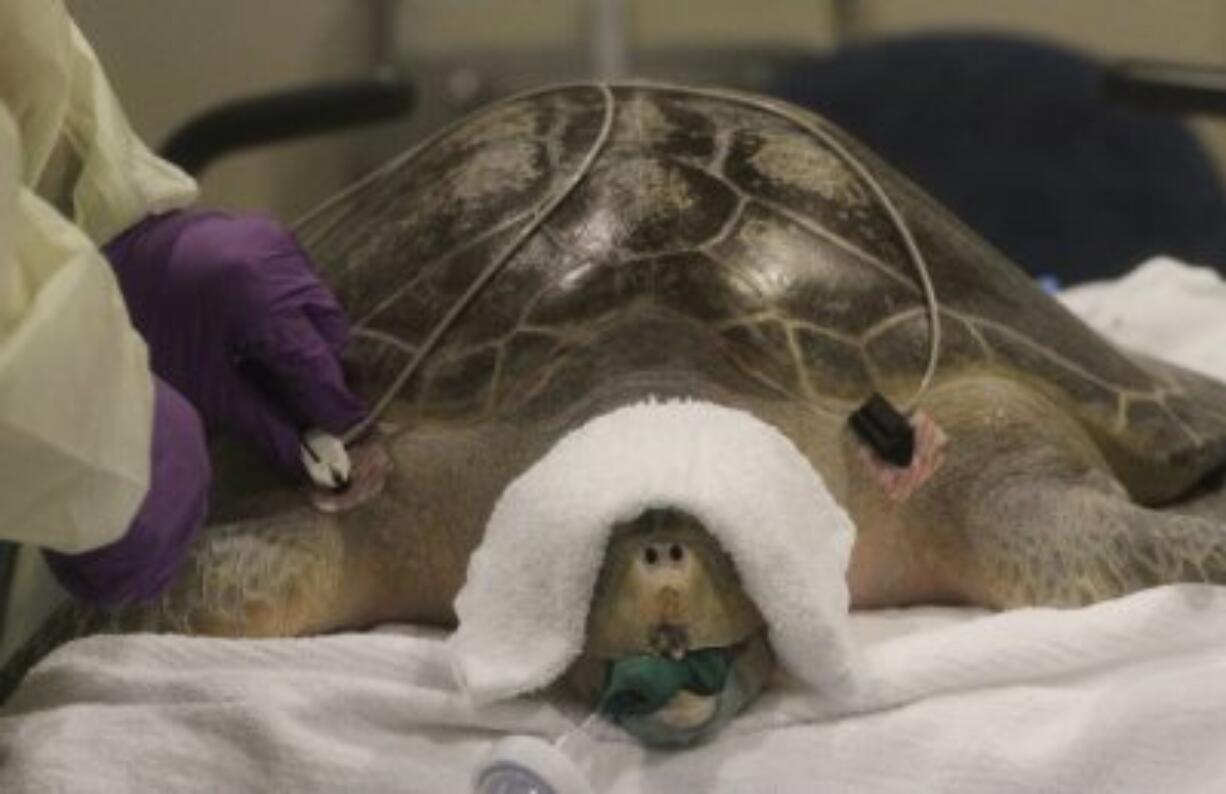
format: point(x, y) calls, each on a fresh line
point(140, 565)
point(216, 296)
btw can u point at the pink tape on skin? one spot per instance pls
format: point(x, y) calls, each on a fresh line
point(370, 466)
point(900, 483)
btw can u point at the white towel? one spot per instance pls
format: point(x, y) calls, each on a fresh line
point(1164, 308)
point(523, 608)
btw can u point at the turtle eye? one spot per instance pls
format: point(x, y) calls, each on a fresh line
point(651, 555)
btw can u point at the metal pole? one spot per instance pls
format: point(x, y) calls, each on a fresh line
point(384, 35)
point(610, 59)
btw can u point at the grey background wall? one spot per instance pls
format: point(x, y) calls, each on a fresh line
point(171, 58)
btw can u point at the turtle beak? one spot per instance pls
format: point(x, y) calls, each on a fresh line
point(666, 589)
point(663, 580)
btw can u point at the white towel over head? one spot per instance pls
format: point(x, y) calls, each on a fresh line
point(523, 609)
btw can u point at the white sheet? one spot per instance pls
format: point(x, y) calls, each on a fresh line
point(1125, 696)
point(1128, 695)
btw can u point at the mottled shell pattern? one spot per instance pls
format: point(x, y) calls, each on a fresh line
point(720, 222)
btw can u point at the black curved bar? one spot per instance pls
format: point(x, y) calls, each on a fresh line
point(1167, 87)
point(285, 115)
point(8, 569)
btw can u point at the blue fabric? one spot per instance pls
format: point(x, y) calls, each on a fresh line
point(640, 685)
point(735, 696)
point(1014, 138)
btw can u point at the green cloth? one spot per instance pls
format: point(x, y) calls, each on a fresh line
point(642, 684)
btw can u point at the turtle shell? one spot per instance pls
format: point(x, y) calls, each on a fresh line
point(612, 231)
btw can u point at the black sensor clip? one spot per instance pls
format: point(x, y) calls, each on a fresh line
point(880, 425)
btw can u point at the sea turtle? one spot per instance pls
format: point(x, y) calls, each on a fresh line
point(569, 251)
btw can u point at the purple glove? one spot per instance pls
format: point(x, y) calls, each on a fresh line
point(217, 296)
point(140, 565)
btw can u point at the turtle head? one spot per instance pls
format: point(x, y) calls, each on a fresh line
point(674, 646)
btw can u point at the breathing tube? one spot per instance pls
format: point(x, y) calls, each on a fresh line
point(637, 688)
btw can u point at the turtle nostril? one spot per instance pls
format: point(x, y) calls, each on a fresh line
point(651, 555)
point(675, 553)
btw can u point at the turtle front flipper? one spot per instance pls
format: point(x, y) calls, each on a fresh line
point(250, 579)
point(1028, 513)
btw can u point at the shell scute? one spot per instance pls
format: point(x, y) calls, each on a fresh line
point(722, 237)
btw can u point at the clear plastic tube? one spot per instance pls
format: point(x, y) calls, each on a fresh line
point(530, 765)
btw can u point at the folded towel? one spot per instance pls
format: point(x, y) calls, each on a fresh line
point(523, 608)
